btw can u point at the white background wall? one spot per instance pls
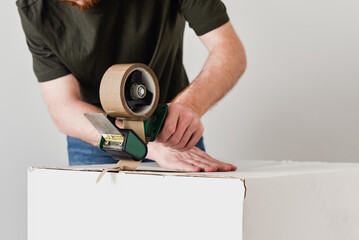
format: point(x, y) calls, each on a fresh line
point(297, 100)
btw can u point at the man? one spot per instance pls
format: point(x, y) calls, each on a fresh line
point(74, 42)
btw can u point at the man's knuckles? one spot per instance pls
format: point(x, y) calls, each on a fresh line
point(200, 129)
point(186, 148)
point(174, 140)
point(225, 167)
point(210, 169)
point(187, 116)
point(196, 125)
point(169, 129)
point(180, 146)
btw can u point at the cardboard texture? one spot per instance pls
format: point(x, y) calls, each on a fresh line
point(266, 200)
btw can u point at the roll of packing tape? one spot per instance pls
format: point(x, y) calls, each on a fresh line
point(114, 98)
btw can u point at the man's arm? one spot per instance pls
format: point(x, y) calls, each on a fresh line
point(224, 66)
point(62, 97)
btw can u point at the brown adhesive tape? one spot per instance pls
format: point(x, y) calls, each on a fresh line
point(120, 165)
point(137, 127)
point(112, 91)
point(112, 97)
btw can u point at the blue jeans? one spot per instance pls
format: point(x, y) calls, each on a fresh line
point(83, 153)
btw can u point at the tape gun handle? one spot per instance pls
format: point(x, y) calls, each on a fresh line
point(154, 124)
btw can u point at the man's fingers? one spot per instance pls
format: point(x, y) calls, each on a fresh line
point(169, 127)
point(196, 136)
point(221, 166)
point(203, 165)
point(185, 139)
point(119, 123)
point(186, 166)
point(181, 135)
point(206, 162)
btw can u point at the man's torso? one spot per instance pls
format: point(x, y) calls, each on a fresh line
point(87, 43)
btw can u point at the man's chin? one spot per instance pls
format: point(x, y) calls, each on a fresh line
point(84, 5)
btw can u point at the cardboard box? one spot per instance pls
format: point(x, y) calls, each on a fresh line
point(262, 200)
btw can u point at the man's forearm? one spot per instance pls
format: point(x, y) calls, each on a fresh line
point(66, 108)
point(224, 66)
point(72, 122)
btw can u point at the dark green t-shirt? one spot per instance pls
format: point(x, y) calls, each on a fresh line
point(64, 39)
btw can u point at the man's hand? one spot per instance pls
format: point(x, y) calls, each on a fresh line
point(182, 128)
point(193, 160)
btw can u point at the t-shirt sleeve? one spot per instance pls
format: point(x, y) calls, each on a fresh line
point(204, 15)
point(46, 65)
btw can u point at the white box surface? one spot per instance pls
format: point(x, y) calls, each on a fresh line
point(262, 200)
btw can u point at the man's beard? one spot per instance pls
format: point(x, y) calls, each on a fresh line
point(87, 4)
